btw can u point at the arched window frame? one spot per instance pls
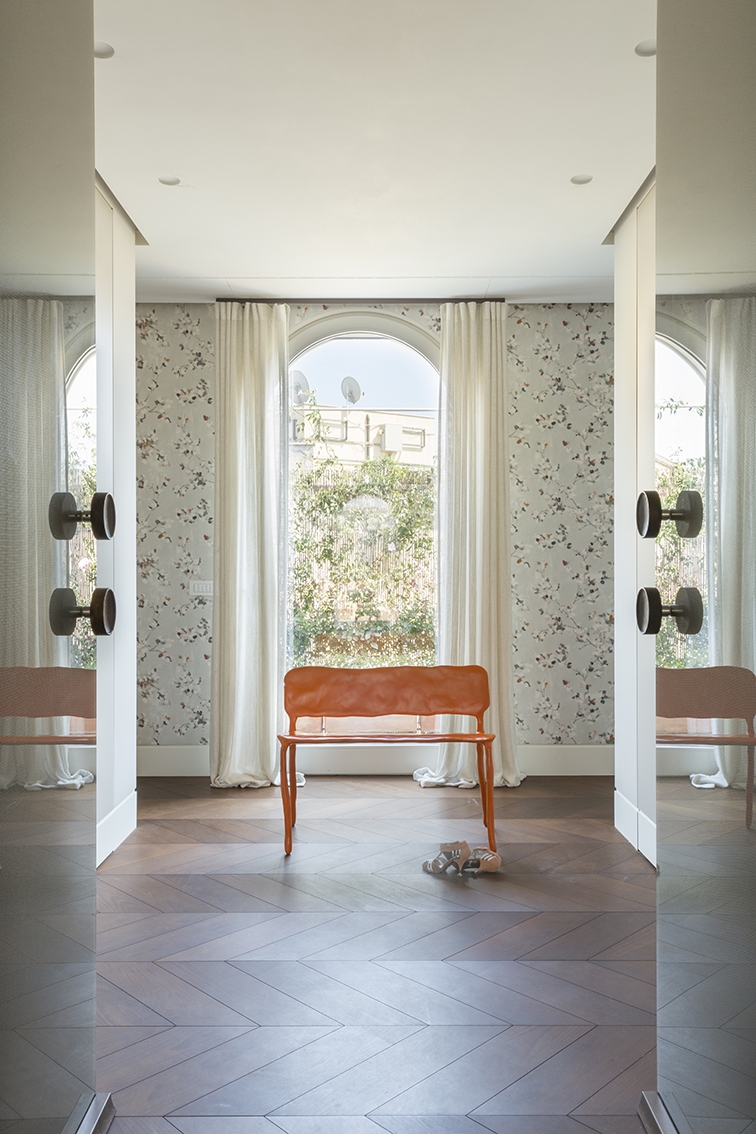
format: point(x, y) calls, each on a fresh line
point(685, 353)
point(337, 324)
point(81, 361)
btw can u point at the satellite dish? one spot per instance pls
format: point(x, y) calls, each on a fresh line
point(350, 388)
point(300, 388)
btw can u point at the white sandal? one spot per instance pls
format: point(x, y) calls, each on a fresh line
point(449, 855)
point(481, 860)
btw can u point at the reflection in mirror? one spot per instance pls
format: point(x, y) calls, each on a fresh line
point(706, 686)
point(47, 693)
point(81, 482)
point(680, 466)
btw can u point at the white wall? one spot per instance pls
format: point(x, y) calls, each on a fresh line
point(634, 667)
point(116, 560)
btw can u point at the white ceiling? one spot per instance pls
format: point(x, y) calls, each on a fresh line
point(46, 199)
point(374, 148)
point(706, 187)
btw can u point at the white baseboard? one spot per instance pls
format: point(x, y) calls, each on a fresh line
point(647, 837)
point(676, 760)
point(173, 760)
point(566, 759)
point(115, 827)
point(366, 759)
point(635, 825)
point(391, 760)
point(626, 818)
point(83, 756)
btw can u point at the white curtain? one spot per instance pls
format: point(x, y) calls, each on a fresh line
point(731, 492)
point(475, 584)
point(250, 548)
point(32, 563)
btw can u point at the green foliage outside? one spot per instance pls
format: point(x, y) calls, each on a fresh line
point(362, 556)
point(82, 555)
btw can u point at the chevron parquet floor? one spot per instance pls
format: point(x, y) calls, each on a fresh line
point(343, 991)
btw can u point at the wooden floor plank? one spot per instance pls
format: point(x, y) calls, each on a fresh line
point(341, 990)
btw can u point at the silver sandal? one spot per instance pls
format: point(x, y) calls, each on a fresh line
point(453, 855)
point(481, 860)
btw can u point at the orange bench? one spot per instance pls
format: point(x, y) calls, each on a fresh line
point(417, 691)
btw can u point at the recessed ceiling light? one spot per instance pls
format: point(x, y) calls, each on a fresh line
point(646, 48)
point(103, 50)
point(169, 180)
point(582, 178)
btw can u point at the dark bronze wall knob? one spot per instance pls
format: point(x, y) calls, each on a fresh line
point(687, 610)
point(63, 515)
point(64, 612)
point(687, 514)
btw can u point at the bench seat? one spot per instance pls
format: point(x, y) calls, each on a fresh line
point(419, 691)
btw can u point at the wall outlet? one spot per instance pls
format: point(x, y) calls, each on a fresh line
point(197, 588)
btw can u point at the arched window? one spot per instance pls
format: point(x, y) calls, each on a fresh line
point(680, 445)
point(362, 502)
point(81, 457)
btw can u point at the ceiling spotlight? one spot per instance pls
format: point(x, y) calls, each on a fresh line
point(103, 50)
point(582, 178)
point(646, 48)
point(169, 180)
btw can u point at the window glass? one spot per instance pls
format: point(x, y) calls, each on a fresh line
point(362, 504)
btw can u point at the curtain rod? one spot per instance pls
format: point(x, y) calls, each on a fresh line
point(364, 302)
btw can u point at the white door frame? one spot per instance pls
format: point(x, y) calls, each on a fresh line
point(116, 559)
point(634, 471)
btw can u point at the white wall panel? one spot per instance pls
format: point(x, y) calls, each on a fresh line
point(116, 559)
point(634, 673)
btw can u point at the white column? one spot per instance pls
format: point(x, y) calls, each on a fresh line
point(116, 559)
point(634, 668)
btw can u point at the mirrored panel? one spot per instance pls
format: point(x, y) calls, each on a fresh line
point(706, 444)
point(47, 673)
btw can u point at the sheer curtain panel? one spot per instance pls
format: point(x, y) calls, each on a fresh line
point(250, 548)
point(475, 579)
point(730, 493)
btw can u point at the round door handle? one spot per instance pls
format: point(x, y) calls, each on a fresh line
point(687, 514)
point(687, 610)
point(64, 612)
point(64, 515)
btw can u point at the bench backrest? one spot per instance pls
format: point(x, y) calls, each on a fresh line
point(725, 692)
point(428, 691)
point(47, 691)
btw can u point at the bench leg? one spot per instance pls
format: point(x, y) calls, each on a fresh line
point(480, 748)
point(286, 800)
point(293, 783)
point(490, 819)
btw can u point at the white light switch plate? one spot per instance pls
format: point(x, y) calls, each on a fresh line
point(198, 588)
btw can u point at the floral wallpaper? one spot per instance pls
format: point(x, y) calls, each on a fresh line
point(175, 376)
point(561, 395)
point(560, 377)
